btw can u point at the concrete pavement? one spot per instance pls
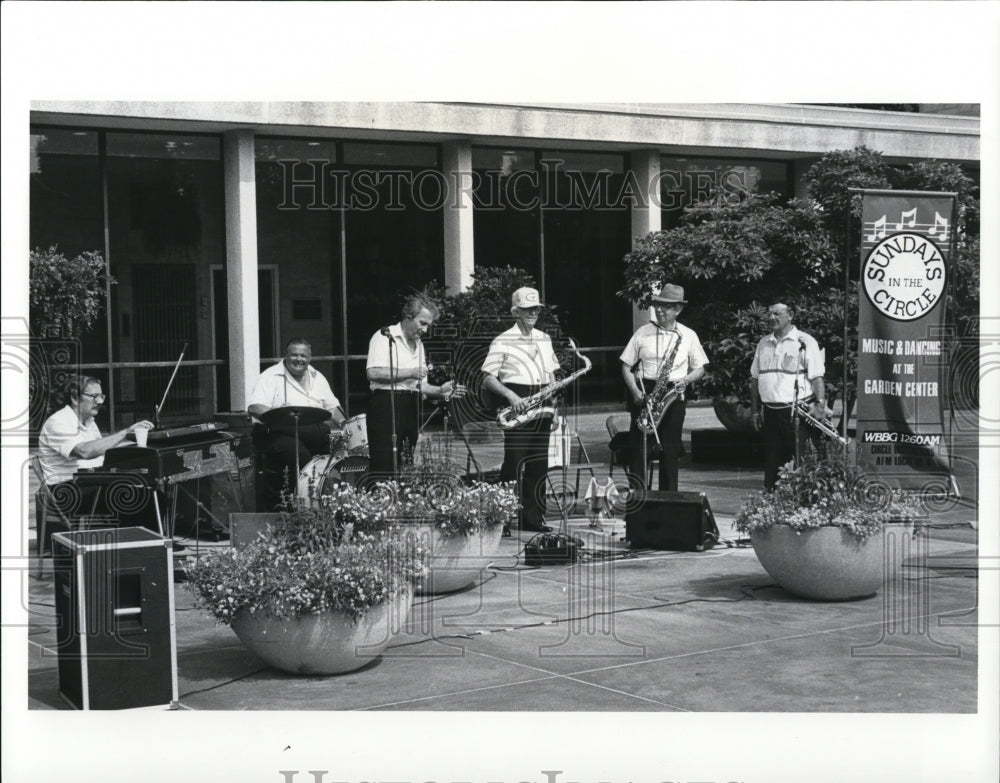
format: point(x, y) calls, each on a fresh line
point(620, 630)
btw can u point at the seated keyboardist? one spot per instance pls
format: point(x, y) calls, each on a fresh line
point(70, 439)
point(293, 383)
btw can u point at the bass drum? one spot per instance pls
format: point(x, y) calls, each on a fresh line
point(352, 469)
point(317, 477)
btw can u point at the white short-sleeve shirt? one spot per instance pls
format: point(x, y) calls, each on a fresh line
point(276, 388)
point(403, 358)
point(515, 357)
point(651, 343)
point(777, 363)
point(60, 434)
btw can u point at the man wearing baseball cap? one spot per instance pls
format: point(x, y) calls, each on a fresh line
point(663, 339)
point(520, 363)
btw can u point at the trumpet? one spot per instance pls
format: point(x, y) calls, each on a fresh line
point(802, 410)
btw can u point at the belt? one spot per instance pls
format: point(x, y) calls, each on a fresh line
point(523, 388)
point(396, 391)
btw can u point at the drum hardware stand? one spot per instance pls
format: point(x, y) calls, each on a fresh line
point(445, 408)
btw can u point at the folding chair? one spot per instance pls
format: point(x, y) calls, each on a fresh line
point(45, 503)
point(618, 426)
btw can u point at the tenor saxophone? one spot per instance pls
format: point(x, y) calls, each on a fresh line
point(663, 395)
point(506, 417)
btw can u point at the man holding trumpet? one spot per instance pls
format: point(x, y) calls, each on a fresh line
point(787, 369)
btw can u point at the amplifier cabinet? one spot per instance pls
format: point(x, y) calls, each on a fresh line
point(673, 520)
point(114, 599)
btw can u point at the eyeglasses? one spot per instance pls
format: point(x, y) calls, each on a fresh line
point(94, 397)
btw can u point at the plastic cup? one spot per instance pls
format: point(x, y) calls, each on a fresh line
point(141, 433)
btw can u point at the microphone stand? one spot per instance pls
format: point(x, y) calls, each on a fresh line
point(392, 403)
point(644, 435)
point(445, 407)
point(795, 411)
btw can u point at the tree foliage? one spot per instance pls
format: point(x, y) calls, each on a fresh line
point(67, 295)
point(735, 256)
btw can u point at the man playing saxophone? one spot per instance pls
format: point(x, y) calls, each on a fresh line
point(519, 363)
point(659, 362)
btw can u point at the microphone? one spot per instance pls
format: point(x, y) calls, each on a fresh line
point(802, 343)
point(384, 331)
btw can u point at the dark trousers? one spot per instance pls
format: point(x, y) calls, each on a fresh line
point(778, 436)
point(281, 447)
point(380, 407)
point(670, 432)
point(526, 460)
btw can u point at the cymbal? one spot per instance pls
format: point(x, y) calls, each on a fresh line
point(286, 416)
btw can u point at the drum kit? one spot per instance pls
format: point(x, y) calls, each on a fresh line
point(347, 461)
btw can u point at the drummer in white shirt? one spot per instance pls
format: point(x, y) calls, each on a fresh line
point(293, 382)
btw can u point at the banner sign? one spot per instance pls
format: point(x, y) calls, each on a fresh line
point(902, 345)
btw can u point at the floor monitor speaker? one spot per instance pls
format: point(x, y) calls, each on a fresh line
point(672, 520)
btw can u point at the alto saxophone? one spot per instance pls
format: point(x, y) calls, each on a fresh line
point(663, 395)
point(506, 417)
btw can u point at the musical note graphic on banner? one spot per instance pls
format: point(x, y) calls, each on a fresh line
point(878, 230)
point(911, 214)
point(940, 224)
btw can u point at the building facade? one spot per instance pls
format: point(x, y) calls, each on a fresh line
point(230, 228)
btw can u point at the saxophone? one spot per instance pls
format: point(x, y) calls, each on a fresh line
point(506, 417)
point(661, 398)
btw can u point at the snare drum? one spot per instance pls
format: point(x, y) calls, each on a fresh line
point(356, 434)
point(317, 477)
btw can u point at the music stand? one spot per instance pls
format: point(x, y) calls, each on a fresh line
point(296, 415)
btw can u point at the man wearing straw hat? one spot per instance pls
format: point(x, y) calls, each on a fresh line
point(644, 362)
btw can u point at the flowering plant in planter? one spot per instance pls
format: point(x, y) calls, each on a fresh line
point(428, 492)
point(309, 562)
point(827, 490)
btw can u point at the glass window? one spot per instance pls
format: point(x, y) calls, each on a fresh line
point(363, 218)
point(65, 212)
point(587, 232)
point(380, 154)
point(560, 216)
point(298, 231)
point(165, 223)
point(685, 181)
point(506, 198)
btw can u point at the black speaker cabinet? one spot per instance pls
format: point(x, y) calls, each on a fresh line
point(673, 520)
point(114, 601)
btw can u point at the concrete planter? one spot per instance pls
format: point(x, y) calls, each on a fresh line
point(829, 563)
point(733, 416)
point(455, 562)
point(328, 643)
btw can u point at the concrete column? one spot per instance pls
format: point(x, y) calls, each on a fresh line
point(645, 168)
point(241, 264)
point(459, 257)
